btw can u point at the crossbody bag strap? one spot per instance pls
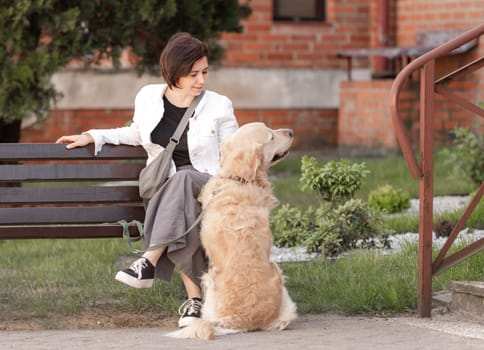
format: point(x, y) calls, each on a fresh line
point(175, 139)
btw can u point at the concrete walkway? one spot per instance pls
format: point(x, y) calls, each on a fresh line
point(324, 331)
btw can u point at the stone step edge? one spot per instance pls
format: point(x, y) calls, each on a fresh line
point(467, 287)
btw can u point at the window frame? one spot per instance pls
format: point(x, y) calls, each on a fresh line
point(319, 16)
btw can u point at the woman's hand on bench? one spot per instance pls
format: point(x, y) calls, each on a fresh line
point(76, 140)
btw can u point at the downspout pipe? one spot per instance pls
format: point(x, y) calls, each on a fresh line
point(381, 64)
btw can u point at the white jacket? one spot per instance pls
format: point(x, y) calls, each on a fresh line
point(212, 121)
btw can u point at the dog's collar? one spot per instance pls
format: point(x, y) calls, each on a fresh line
point(233, 178)
point(239, 179)
point(243, 181)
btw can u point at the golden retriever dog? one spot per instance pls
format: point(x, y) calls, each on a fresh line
point(243, 290)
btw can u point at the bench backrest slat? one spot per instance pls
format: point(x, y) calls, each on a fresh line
point(70, 172)
point(52, 151)
point(77, 194)
point(70, 215)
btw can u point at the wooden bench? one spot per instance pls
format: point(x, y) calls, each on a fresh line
point(47, 191)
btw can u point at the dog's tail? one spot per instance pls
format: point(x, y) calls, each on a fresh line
point(198, 329)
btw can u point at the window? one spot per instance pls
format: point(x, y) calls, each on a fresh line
point(299, 10)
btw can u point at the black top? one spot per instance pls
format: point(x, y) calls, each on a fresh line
point(162, 133)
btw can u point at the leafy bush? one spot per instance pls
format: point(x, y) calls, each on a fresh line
point(291, 225)
point(324, 238)
point(467, 154)
point(348, 226)
point(340, 223)
point(358, 224)
point(387, 198)
point(335, 181)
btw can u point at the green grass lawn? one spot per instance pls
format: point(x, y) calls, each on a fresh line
point(39, 278)
point(67, 277)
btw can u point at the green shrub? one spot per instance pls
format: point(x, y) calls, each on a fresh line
point(291, 225)
point(340, 223)
point(358, 224)
point(348, 226)
point(325, 237)
point(467, 154)
point(387, 198)
point(335, 181)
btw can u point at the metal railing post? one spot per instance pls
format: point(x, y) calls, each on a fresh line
point(427, 75)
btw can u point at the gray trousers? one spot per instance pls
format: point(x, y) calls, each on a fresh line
point(169, 213)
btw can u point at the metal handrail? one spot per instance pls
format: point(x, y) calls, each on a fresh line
point(404, 74)
point(424, 172)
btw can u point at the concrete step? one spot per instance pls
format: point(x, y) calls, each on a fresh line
point(467, 299)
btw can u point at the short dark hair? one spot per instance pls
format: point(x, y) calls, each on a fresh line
point(179, 55)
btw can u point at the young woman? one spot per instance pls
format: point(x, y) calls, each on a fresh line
point(173, 209)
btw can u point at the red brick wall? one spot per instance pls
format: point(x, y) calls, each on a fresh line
point(364, 115)
point(447, 114)
point(313, 128)
point(265, 43)
point(364, 118)
point(68, 122)
point(416, 15)
point(364, 106)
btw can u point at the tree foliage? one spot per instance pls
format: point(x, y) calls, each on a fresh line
point(41, 36)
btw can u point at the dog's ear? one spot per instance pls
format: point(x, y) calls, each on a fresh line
point(225, 148)
point(243, 163)
point(247, 163)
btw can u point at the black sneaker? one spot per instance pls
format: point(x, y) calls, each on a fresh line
point(140, 274)
point(190, 310)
